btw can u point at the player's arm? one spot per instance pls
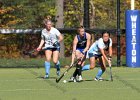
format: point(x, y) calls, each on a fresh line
point(41, 42)
point(103, 53)
point(40, 45)
point(110, 51)
point(101, 45)
point(75, 41)
point(110, 48)
point(60, 38)
point(88, 42)
point(106, 58)
point(59, 35)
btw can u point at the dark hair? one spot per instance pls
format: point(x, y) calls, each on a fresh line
point(108, 42)
point(104, 32)
point(81, 27)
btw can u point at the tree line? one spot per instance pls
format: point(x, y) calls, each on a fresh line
point(30, 14)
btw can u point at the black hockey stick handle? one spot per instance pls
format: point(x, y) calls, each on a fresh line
point(58, 79)
point(32, 51)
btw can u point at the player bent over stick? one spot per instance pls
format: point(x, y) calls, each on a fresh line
point(51, 37)
point(97, 50)
point(81, 44)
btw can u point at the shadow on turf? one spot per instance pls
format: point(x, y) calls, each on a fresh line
point(126, 83)
point(88, 80)
point(47, 81)
point(94, 80)
point(45, 78)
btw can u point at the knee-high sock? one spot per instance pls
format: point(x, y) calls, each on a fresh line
point(100, 73)
point(47, 67)
point(86, 67)
point(57, 65)
point(79, 70)
point(75, 72)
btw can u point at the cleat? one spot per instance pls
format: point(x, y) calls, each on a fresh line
point(101, 79)
point(74, 80)
point(80, 78)
point(46, 76)
point(58, 73)
point(98, 79)
point(71, 78)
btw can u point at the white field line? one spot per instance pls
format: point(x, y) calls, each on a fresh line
point(14, 90)
point(37, 79)
point(24, 80)
point(28, 89)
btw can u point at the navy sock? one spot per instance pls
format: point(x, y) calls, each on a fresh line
point(57, 65)
point(79, 70)
point(75, 72)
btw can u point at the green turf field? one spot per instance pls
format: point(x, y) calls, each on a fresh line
point(28, 84)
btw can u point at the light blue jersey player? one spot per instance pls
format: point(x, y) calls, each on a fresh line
point(51, 38)
point(97, 50)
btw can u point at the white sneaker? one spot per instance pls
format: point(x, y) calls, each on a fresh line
point(58, 72)
point(80, 78)
point(74, 80)
point(46, 76)
point(98, 79)
point(71, 78)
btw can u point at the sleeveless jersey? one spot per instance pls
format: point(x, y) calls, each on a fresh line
point(82, 41)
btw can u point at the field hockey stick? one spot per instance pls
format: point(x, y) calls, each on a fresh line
point(111, 76)
point(66, 71)
point(30, 53)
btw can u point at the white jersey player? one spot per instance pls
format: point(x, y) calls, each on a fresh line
point(51, 38)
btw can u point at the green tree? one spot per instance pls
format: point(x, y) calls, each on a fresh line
point(7, 15)
point(27, 13)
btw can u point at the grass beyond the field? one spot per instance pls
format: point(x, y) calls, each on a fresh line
point(39, 62)
point(28, 84)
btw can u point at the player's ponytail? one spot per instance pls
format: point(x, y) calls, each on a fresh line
point(47, 19)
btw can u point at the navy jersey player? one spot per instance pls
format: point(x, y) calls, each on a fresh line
point(81, 44)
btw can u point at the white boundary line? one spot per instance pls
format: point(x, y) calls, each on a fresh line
point(37, 79)
point(28, 89)
point(26, 80)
